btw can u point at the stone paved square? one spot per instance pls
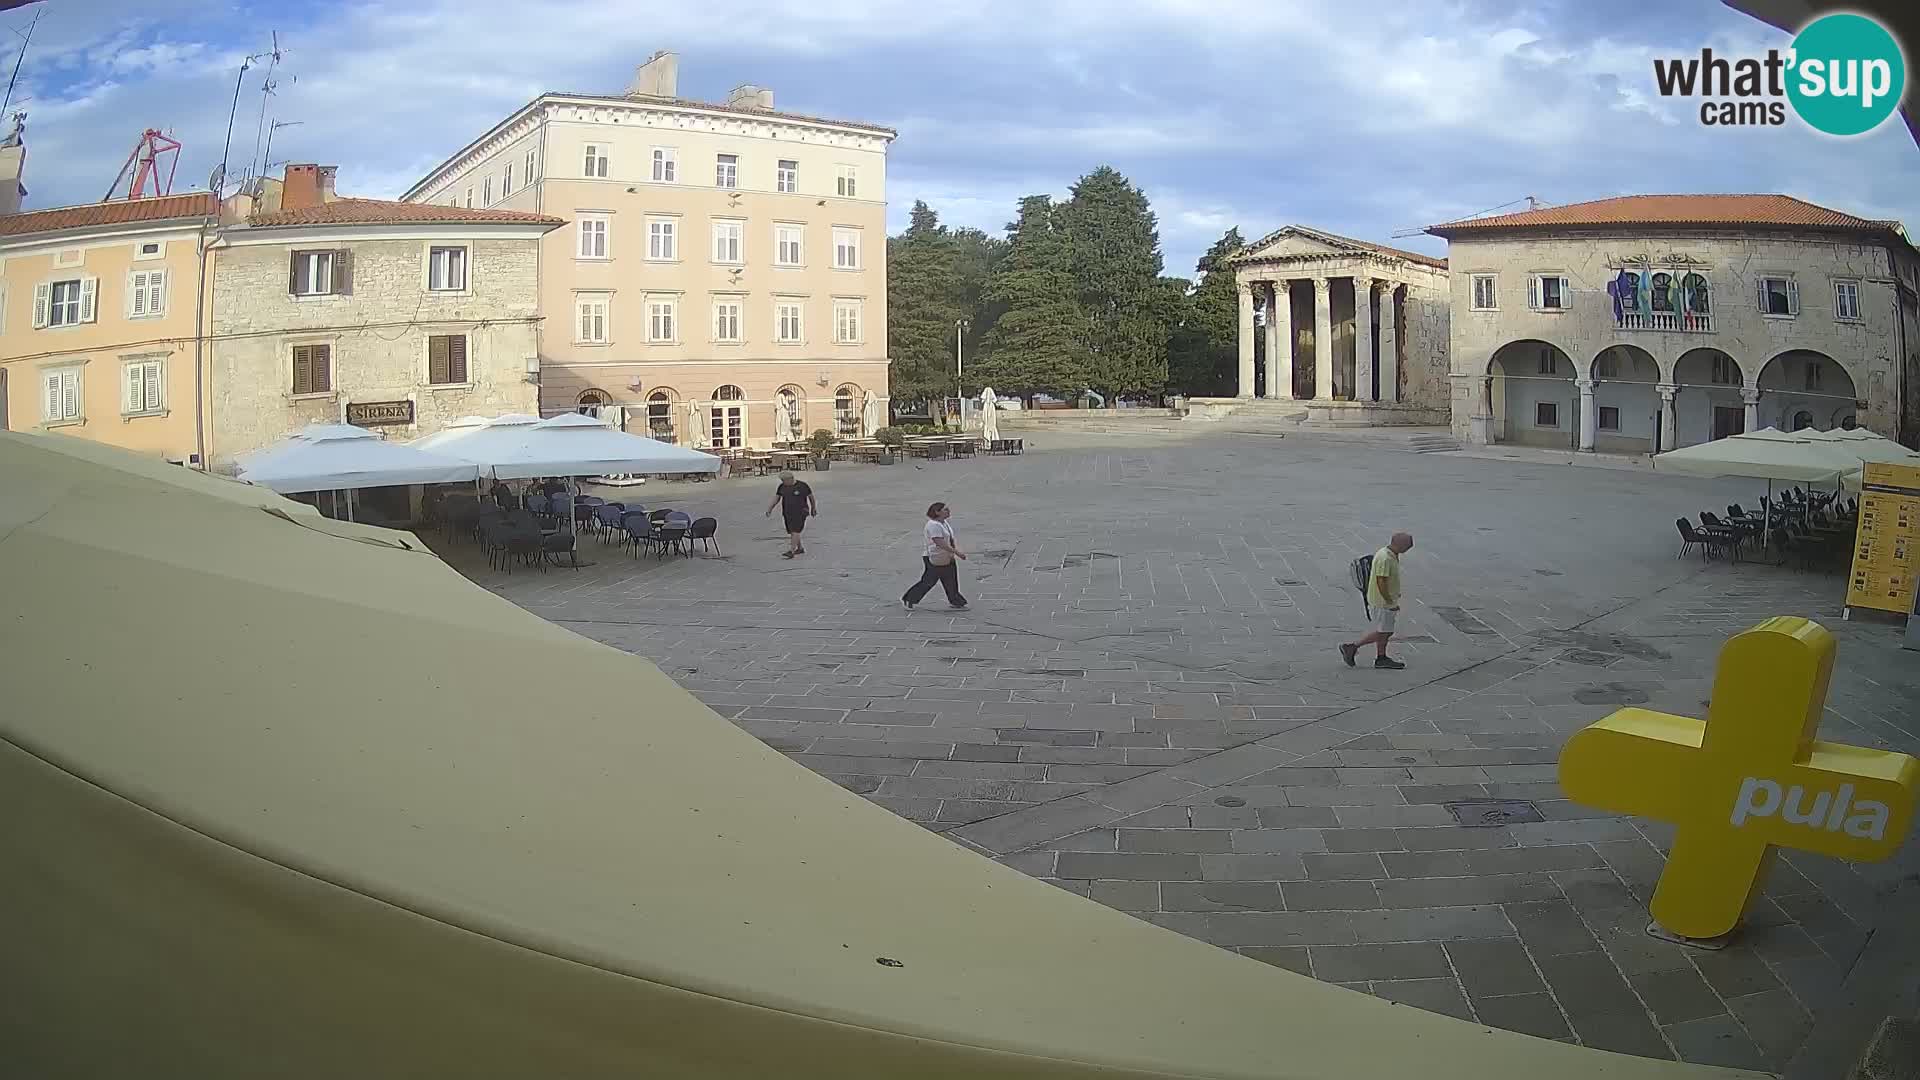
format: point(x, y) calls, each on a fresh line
point(1144, 706)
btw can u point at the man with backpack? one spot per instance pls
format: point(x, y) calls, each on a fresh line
point(1378, 576)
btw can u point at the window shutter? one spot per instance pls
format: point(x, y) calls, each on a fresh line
point(1533, 293)
point(322, 368)
point(156, 291)
point(1793, 297)
point(53, 380)
point(154, 399)
point(137, 293)
point(343, 272)
point(136, 389)
point(437, 359)
point(302, 369)
point(457, 358)
point(69, 394)
point(89, 293)
point(1566, 292)
point(293, 275)
point(41, 298)
point(1762, 282)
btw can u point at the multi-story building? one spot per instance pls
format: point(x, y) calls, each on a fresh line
point(394, 315)
point(1651, 322)
point(99, 329)
point(722, 277)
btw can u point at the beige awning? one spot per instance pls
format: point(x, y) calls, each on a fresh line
point(1768, 454)
point(278, 802)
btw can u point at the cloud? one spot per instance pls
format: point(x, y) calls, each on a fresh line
point(1360, 119)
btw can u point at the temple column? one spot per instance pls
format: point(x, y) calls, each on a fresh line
point(1668, 427)
point(1246, 339)
point(1363, 339)
point(1280, 345)
point(1322, 341)
point(1389, 345)
point(1589, 419)
point(1751, 398)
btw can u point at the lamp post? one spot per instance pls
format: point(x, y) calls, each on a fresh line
point(960, 365)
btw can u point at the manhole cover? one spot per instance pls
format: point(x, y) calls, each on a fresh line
point(1479, 812)
point(1588, 656)
point(1230, 800)
point(1610, 694)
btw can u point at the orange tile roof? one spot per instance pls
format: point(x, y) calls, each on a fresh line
point(387, 212)
point(1737, 211)
point(114, 212)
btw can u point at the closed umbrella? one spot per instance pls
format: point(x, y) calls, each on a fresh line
point(989, 415)
point(870, 415)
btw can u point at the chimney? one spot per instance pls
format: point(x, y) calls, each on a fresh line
point(659, 77)
point(749, 96)
point(267, 195)
point(301, 188)
point(13, 165)
point(326, 183)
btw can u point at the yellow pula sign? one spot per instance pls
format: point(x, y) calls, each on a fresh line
point(1747, 779)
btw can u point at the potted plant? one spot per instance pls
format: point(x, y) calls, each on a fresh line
point(820, 442)
point(891, 439)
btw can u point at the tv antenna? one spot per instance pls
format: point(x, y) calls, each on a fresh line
point(226, 150)
point(266, 161)
point(1533, 203)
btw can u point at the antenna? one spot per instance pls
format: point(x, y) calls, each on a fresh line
point(26, 40)
point(1533, 203)
point(266, 162)
point(226, 149)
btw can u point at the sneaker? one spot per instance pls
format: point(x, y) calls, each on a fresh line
point(786, 554)
point(1387, 662)
point(958, 607)
point(905, 603)
point(1347, 653)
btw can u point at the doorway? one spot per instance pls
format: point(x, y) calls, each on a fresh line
point(1728, 421)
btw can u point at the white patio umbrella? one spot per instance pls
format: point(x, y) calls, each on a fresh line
point(1767, 454)
point(511, 448)
point(1865, 445)
point(989, 415)
point(786, 416)
point(334, 457)
point(871, 418)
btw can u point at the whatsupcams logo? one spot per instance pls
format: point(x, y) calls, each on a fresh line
point(1844, 74)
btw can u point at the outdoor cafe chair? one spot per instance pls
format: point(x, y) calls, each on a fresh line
point(702, 533)
point(537, 504)
point(668, 536)
point(606, 520)
point(555, 544)
point(637, 531)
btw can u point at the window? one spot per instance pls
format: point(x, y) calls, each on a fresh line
point(846, 183)
point(146, 294)
point(791, 414)
point(1485, 293)
point(1606, 367)
point(469, 198)
point(1549, 364)
point(486, 192)
point(666, 164)
point(1609, 418)
point(447, 359)
point(592, 312)
point(506, 180)
point(1725, 371)
point(1547, 292)
point(846, 322)
point(846, 417)
point(527, 169)
point(728, 238)
point(593, 238)
point(312, 369)
point(660, 415)
point(786, 176)
point(786, 322)
point(727, 423)
point(661, 239)
point(152, 249)
point(660, 316)
point(319, 273)
point(1846, 300)
point(145, 388)
point(1694, 291)
point(447, 269)
point(62, 397)
point(788, 244)
point(726, 320)
point(1816, 374)
point(1660, 293)
point(64, 303)
point(596, 162)
point(726, 171)
point(1628, 291)
point(846, 249)
point(1779, 297)
point(1802, 420)
point(1546, 414)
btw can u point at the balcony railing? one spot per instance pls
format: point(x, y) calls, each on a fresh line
point(1668, 322)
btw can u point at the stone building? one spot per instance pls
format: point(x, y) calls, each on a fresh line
point(392, 315)
point(1351, 332)
point(722, 279)
point(1650, 322)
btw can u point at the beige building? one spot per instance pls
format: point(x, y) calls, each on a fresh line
point(722, 274)
point(1651, 322)
point(99, 331)
point(392, 315)
point(1350, 331)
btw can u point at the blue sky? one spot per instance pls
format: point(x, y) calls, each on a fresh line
point(1358, 118)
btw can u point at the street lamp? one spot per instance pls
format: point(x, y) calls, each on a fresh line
point(960, 357)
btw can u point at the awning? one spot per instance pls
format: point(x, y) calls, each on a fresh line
point(334, 457)
point(518, 446)
point(1767, 454)
point(275, 803)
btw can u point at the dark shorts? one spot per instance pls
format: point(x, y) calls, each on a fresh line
point(796, 522)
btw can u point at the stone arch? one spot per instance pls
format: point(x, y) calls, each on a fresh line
point(1626, 399)
point(790, 402)
point(1709, 402)
point(1530, 396)
point(846, 409)
point(660, 401)
point(1807, 387)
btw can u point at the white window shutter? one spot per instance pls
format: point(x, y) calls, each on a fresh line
point(1793, 297)
point(156, 291)
point(136, 388)
point(1533, 293)
point(1566, 292)
point(52, 406)
point(42, 294)
point(137, 293)
point(89, 293)
point(1763, 295)
point(154, 400)
point(70, 394)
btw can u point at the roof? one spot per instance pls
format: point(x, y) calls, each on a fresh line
point(113, 212)
point(1343, 242)
point(1735, 211)
point(388, 212)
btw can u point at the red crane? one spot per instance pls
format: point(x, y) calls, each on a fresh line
point(143, 166)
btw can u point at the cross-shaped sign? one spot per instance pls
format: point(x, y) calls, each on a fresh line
point(1751, 776)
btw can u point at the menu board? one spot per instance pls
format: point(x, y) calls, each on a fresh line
point(1886, 552)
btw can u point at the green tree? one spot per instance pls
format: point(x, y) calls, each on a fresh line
point(1037, 340)
point(923, 291)
point(1203, 352)
point(1113, 245)
point(976, 255)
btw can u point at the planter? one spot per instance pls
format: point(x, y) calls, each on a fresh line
point(821, 464)
point(885, 457)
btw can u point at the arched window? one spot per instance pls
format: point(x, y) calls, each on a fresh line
point(727, 423)
point(1848, 422)
point(1630, 296)
point(790, 414)
point(590, 399)
point(846, 409)
point(729, 392)
point(1659, 292)
point(1802, 420)
point(660, 415)
point(1698, 297)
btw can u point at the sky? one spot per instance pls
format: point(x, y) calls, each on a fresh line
point(1364, 119)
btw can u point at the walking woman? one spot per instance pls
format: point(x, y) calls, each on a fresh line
point(938, 561)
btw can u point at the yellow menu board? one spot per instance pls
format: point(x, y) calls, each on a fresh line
point(1886, 550)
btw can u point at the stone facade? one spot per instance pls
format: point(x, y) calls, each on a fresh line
point(1580, 376)
point(377, 334)
point(1355, 332)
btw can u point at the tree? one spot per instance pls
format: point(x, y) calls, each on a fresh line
point(1113, 245)
point(923, 290)
point(1203, 353)
point(976, 255)
point(1037, 341)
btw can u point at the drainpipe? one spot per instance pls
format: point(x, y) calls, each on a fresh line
point(200, 340)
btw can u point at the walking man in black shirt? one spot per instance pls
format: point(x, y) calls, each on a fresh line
point(795, 500)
